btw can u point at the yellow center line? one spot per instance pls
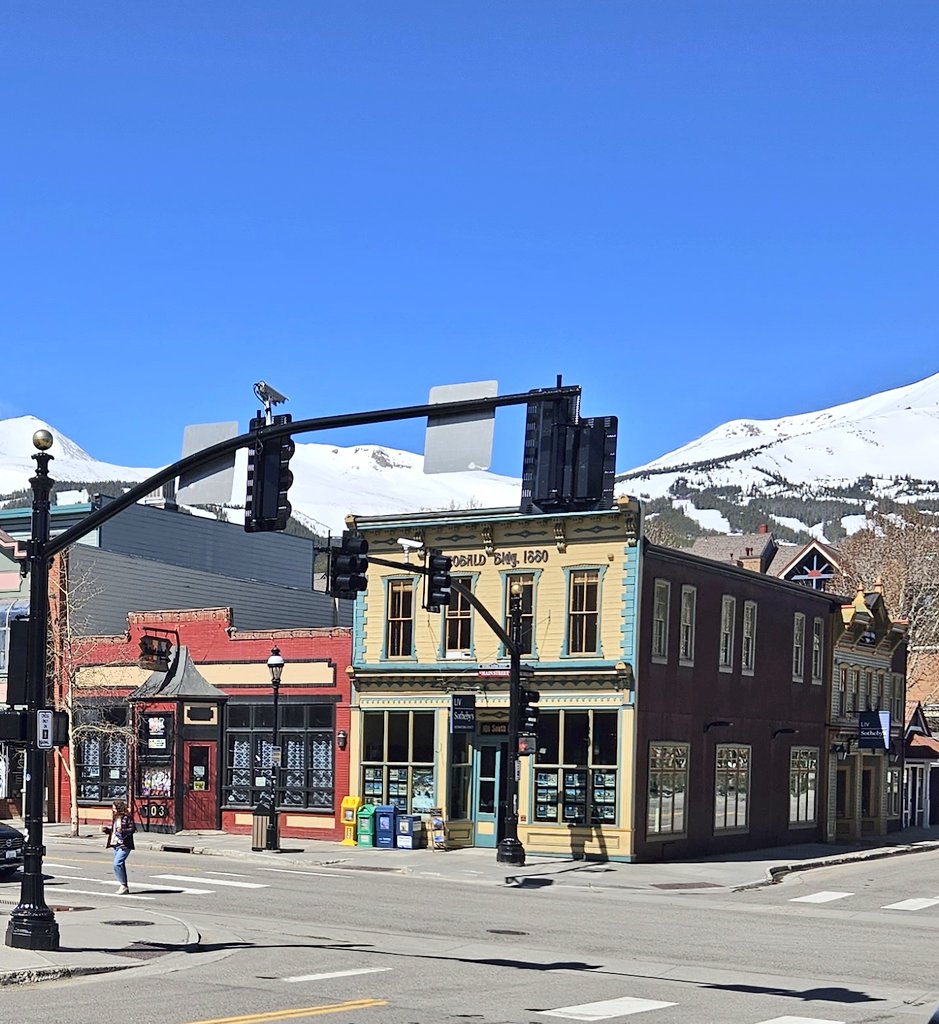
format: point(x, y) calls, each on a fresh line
point(306, 1011)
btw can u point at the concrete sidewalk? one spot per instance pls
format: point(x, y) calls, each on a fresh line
point(102, 940)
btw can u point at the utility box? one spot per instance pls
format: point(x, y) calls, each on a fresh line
point(385, 827)
point(349, 813)
point(409, 832)
point(365, 819)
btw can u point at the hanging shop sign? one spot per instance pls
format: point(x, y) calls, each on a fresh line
point(463, 712)
point(873, 730)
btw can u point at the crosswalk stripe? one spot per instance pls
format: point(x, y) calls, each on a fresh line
point(113, 895)
point(821, 897)
point(800, 1020)
point(920, 904)
point(137, 885)
point(606, 1008)
point(337, 974)
point(215, 881)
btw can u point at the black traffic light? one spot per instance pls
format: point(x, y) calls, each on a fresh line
point(13, 726)
point(528, 711)
point(269, 479)
point(348, 565)
point(438, 580)
point(60, 728)
point(16, 663)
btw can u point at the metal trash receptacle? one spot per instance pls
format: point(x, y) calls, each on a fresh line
point(260, 822)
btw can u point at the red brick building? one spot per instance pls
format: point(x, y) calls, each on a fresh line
point(189, 744)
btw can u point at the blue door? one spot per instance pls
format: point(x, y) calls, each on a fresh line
point(489, 759)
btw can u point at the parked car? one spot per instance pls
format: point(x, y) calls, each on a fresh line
point(11, 850)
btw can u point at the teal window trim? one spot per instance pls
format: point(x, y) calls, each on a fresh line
point(507, 578)
point(386, 586)
point(569, 570)
point(472, 577)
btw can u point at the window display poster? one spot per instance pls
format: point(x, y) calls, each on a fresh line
point(155, 782)
point(422, 789)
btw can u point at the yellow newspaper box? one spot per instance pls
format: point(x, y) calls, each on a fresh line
point(349, 808)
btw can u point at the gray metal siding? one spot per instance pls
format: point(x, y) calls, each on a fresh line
point(205, 544)
point(106, 585)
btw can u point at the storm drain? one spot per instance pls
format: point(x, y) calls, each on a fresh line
point(129, 924)
point(504, 931)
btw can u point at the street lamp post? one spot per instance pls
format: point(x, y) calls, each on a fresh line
point(510, 850)
point(32, 924)
point(275, 664)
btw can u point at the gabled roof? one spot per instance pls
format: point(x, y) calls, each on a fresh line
point(802, 555)
point(735, 546)
point(181, 681)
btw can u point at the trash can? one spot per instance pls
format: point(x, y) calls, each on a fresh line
point(260, 821)
point(409, 833)
point(385, 827)
point(365, 819)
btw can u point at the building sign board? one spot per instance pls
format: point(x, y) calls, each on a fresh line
point(463, 712)
point(873, 730)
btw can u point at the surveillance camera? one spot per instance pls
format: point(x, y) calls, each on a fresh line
point(268, 393)
point(410, 545)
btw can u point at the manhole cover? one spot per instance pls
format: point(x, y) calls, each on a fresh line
point(504, 931)
point(129, 924)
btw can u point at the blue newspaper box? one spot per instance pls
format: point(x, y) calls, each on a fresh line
point(385, 827)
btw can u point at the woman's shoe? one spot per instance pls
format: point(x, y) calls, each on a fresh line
point(122, 890)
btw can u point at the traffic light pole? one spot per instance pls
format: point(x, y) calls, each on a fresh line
point(32, 923)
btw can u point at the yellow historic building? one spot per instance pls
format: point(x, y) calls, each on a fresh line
point(578, 574)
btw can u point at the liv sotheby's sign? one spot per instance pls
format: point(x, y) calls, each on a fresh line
point(463, 712)
point(873, 730)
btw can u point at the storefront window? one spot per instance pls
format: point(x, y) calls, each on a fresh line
point(400, 746)
point(668, 786)
point(306, 738)
point(575, 771)
point(731, 788)
point(893, 792)
point(803, 785)
point(101, 735)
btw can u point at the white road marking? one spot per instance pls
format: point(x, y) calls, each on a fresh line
point(112, 895)
point(288, 871)
point(821, 897)
point(919, 904)
point(138, 885)
point(800, 1020)
point(215, 881)
point(605, 1009)
point(337, 974)
point(67, 867)
point(232, 874)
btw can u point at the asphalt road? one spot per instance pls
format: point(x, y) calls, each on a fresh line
point(851, 944)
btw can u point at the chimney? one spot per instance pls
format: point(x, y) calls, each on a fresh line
point(764, 528)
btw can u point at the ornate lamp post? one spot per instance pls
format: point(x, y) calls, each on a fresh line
point(510, 850)
point(275, 664)
point(32, 924)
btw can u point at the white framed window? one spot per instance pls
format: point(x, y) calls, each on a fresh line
point(748, 656)
point(864, 700)
point(583, 612)
point(728, 614)
point(458, 619)
point(803, 785)
point(663, 590)
point(689, 600)
point(876, 690)
point(818, 650)
point(798, 648)
point(668, 788)
point(854, 685)
point(731, 788)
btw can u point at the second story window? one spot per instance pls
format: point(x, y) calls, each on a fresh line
point(854, 684)
point(841, 704)
point(458, 619)
point(876, 683)
point(686, 640)
point(728, 613)
point(899, 696)
point(660, 603)
point(798, 648)
point(818, 649)
point(399, 637)
point(527, 582)
point(749, 637)
point(584, 612)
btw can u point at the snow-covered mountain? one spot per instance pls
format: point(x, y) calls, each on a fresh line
point(890, 436)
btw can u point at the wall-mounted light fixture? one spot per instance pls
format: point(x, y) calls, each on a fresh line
point(342, 738)
point(842, 750)
point(624, 676)
point(786, 731)
point(718, 723)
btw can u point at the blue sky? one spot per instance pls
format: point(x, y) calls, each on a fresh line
point(696, 211)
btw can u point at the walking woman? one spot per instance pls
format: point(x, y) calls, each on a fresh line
point(121, 837)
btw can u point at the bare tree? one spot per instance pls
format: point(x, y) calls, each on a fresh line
point(901, 551)
point(93, 725)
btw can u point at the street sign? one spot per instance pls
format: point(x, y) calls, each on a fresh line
point(460, 442)
point(44, 730)
point(277, 756)
point(493, 671)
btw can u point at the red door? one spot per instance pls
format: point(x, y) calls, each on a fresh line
point(200, 799)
